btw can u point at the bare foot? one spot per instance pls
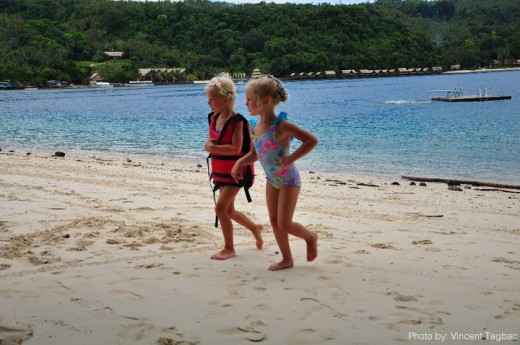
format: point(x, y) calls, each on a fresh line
point(224, 254)
point(312, 247)
point(281, 265)
point(258, 236)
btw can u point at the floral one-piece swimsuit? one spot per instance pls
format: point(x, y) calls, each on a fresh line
point(269, 151)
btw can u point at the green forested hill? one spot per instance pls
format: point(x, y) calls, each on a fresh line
point(45, 39)
point(63, 39)
point(471, 33)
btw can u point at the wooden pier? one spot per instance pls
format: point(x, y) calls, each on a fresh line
point(455, 95)
point(475, 98)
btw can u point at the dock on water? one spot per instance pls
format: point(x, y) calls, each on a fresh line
point(475, 98)
point(455, 95)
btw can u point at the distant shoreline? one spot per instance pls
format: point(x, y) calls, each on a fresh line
point(466, 71)
point(374, 76)
point(483, 70)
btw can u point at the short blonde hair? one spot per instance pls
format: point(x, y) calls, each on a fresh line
point(222, 85)
point(267, 86)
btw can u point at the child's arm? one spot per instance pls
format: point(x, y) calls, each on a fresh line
point(229, 149)
point(249, 158)
point(288, 129)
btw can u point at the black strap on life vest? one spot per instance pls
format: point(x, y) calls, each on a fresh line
point(246, 146)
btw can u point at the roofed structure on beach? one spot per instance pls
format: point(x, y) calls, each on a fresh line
point(96, 77)
point(256, 73)
point(148, 73)
point(330, 74)
point(364, 73)
point(454, 67)
point(348, 73)
point(114, 55)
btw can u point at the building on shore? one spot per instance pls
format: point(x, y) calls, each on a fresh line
point(368, 73)
point(256, 73)
point(159, 74)
point(114, 55)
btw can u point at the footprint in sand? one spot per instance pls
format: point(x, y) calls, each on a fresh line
point(128, 294)
point(516, 307)
point(414, 316)
point(382, 246)
point(315, 305)
point(422, 242)
point(262, 307)
point(508, 263)
point(250, 333)
point(513, 311)
point(401, 298)
point(314, 336)
point(170, 341)
point(14, 336)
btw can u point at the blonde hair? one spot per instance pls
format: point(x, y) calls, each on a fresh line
point(222, 85)
point(268, 86)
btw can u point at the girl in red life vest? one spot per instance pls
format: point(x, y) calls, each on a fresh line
point(225, 145)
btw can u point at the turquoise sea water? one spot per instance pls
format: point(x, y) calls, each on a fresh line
point(367, 126)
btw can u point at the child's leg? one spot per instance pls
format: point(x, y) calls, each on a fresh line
point(282, 238)
point(287, 200)
point(244, 220)
point(226, 198)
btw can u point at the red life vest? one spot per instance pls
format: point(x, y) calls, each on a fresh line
point(221, 165)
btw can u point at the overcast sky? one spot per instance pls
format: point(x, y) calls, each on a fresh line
point(344, 2)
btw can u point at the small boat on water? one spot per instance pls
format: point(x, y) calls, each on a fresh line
point(100, 84)
point(139, 83)
point(456, 95)
point(7, 85)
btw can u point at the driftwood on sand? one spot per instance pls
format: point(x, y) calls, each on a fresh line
point(454, 181)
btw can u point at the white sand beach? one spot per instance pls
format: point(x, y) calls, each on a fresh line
point(116, 250)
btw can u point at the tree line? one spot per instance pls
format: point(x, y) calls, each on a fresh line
point(66, 39)
point(470, 33)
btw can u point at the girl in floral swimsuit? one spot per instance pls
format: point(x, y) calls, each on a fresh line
point(271, 138)
point(269, 151)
